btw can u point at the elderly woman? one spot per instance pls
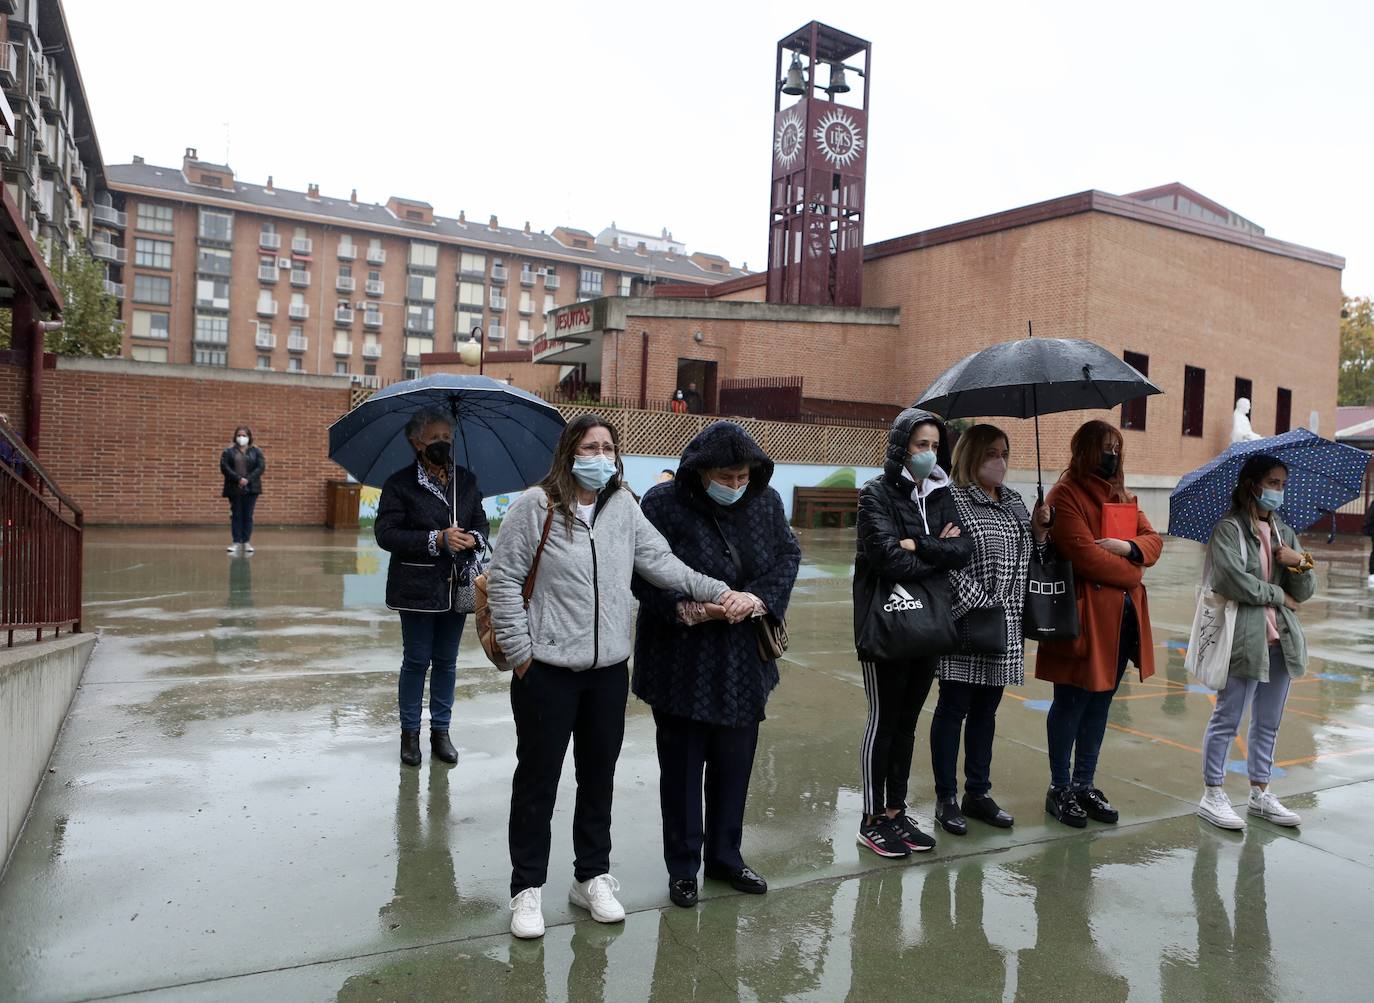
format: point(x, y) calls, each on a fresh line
point(989, 596)
point(581, 535)
point(242, 464)
point(430, 519)
point(700, 671)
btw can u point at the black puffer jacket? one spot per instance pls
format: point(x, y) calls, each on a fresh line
point(711, 672)
point(257, 463)
point(416, 580)
point(888, 515)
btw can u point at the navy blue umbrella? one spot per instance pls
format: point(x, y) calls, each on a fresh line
point(1322, 476)
point(505, 436)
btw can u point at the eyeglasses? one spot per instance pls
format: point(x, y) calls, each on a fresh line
point(596, 449)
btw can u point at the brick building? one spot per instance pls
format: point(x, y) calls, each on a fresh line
point(226, 273)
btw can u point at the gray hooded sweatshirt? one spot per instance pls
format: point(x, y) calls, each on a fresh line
point(582, 609)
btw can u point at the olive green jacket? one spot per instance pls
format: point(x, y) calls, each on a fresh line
point(1242, 581)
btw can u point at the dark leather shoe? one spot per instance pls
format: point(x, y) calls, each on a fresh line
point(949, 816)
point(410, 748)
point(1095, 803)
point(742, 880)
point(441, 747)
point(1063, 805)
point(985, 809)
point(683, 892)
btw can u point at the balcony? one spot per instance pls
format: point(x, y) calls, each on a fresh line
point(106, 251)
point(343, 315)
point(550, 280)
point(526, 277)
point(372, 319)
point(267, 273)
point(376, 256)
point(370, 382)
point(498, 273)
point(109, 216)
point(496, 333)
point(372, 350)
point(297, 343)
point(374, 287)
point(115, 289)
point(345, 284)
point(9, 148)
point(348, 252)
point(302, 245)
point(526, 309)
point(300, 278)
point(343, 347)
point(298, 311)
point(9, 65)
point(265, 339)
point(525, 338)
point(477, 273)
point(267, 308)
point(498, 302)
point(269, 241)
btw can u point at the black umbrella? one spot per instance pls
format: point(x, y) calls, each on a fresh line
point(1035, 376)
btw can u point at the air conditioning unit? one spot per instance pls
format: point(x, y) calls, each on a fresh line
point(283, 262)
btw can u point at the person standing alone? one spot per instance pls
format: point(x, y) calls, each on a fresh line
point(242, 464)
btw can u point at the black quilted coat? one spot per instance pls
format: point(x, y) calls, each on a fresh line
point(712, 672)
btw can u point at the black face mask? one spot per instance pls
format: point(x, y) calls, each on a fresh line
point(1108, 464)
point(438, 452)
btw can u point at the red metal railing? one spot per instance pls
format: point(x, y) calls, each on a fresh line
point(40, 546)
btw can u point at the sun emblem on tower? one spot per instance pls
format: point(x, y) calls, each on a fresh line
point(787, 141)
point(839, 139)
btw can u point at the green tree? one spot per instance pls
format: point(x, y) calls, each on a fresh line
point(1357, 351)
point(89, 315)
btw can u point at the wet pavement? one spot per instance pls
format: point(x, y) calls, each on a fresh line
point(226, 819)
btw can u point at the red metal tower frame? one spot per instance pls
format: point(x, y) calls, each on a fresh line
point(820, 156)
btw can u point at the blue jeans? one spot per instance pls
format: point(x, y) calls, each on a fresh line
point(1077, 721)
point(241, 517)
point(1266, 702)
point(428, 639)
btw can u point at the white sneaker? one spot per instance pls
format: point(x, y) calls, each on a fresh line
point(527, 914)
point(1268, 807)
point(1216, 808)
point(233, 548)
point(597, 896)
point(247, 548)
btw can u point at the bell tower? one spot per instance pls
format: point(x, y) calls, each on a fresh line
point(820, 155)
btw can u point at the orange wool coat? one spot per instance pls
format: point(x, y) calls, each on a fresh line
point(1102, 581)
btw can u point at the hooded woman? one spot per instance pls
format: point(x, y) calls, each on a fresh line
point(908, 530)
point(701, 673)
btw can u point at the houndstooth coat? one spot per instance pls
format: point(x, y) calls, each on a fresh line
point(1002, 544)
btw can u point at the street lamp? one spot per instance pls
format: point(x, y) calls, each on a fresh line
point(473, 352)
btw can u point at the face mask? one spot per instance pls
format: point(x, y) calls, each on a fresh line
point(242, 440)
point(722, 495)
point(1108, 464)
point(438, 452)
point(1269, 500)
point(921, 464)
point(593, 472)
point(993, 472)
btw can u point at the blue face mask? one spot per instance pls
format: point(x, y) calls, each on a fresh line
point(593, 472)
point(1269, 500)
point(921, 464)
point(722, 495)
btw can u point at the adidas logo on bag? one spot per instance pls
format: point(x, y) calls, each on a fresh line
point(901, 599)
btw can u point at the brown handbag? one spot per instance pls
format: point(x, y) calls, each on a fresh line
point(485, 633)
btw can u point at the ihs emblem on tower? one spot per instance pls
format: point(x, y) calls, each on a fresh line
point(839, 139)
point(787, 141)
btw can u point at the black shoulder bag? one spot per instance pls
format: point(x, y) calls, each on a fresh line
point(771, 632)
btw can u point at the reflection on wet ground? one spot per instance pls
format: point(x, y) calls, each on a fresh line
point(227, 820)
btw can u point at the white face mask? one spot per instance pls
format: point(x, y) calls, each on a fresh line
point(242, 440)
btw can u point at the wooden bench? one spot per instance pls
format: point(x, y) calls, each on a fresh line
point(808, 503)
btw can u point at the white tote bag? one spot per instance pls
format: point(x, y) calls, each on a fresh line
point(1214, 628)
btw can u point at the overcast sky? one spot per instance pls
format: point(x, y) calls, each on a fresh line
point(657, 115)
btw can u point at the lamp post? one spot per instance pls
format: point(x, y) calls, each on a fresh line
point(473, 352)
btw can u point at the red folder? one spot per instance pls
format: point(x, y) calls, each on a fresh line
point(1119, 520)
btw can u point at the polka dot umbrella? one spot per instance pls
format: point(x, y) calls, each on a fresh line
point(1322, 476)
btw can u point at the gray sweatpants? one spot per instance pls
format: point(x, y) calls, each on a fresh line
point(1266, 711)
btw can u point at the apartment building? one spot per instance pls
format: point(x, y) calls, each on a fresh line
point(227, 273)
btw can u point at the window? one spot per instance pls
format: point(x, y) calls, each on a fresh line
point(265, 304)
point(345, 271)
point(526, 303)
point(212, 294)
point(470, 294)
point(524, 332)
point(341, 369)
point(549, 302)
point(473, 264)
point(149, 353)
point(1133, 412)
point(374, 275)
point(216, 226)
point(420, 318)
point(590, 283)
point(151, 325)
point(1244, 388)
point(212, 329)
point(213, 261)
point(211, 357)
point(412, 372)
point(467, 320)
point(293, 365)
point(152, 289)
point(420, 287)
point(1283, 411)
point(264, 362)
point(1194, 390)
point(152, 253)
point(424, 255)
point(154, 219)
point(625, 282)
point(416, 347)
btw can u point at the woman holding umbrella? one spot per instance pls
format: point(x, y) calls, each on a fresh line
point(431, 521)
point(989, 596)
point(1115, 618)
point(1255, 562)
point(570, 649)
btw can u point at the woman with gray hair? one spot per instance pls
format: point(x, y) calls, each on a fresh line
point(431, 521)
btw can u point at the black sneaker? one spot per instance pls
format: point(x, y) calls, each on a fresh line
point(916, 841)
point(1095, 803)
point(1063, 804)
point(883, 838)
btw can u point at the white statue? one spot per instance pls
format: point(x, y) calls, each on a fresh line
point(1240, 423)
